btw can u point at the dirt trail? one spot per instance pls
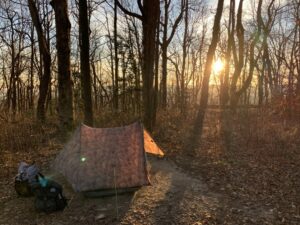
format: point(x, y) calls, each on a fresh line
point(177, 198)
point(174, 198)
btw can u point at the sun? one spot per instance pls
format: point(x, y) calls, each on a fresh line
point(218, 66)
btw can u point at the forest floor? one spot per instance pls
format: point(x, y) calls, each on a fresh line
point(256, 181)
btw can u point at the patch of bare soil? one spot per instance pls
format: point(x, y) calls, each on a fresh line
point(174, 198)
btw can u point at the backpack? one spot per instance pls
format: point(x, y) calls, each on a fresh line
point(26, 178)
point(49, 196)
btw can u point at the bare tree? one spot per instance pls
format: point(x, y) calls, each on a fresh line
point(116, 79)
point(149, 18)
point(185, 46)
point(166, 40)
point(85, 62)
point(44, 49)
point(65, 95)
point(239, 62)
point(197, 131)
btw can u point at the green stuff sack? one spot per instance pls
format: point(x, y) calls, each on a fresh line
point(49, 196)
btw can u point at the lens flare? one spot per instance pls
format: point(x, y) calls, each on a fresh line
point(218, 66)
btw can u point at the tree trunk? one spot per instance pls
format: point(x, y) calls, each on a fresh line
point(224, 77)
point(184, 56)
point(164, 62)
point(207, 71)
point(235, 94)
point(14, 90)
point(95, 85)
point(165, 44)
point(85, 62)
point(155, 97)
point(31, 75)
point(65, 95)
point(116, 86)
point(260, 87)
point(150, 20)
point(44, 49)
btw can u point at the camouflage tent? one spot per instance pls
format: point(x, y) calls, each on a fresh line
point(106, 158)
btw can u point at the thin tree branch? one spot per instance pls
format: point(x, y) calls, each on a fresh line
point(127, 12)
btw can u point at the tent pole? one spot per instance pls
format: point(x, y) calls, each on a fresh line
point(117, 208)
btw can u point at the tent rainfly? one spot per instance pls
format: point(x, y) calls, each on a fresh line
point(106, 158)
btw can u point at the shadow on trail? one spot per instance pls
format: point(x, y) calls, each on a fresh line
point(186, 200)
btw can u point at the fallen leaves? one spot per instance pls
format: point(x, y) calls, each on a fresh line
point(258, 176)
